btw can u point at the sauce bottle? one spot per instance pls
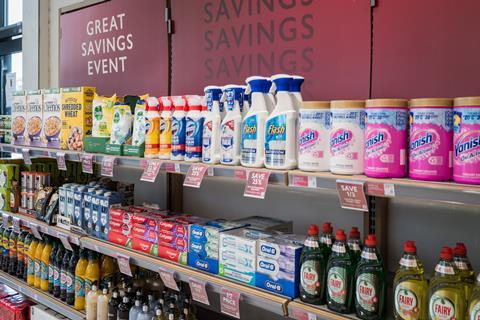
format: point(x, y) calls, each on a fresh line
point(446, 295)
point(51, 267)
point(474, 302)
point(6, 248)
point(45, 259)
point(91, 303)
point(12, 247)
point(370, 292)
point(410, 286)
point(38, 262)
point(63, 275)
point(71, 278)
point(340, 276)
point(123, 309)
point(57, 271)
point(21, 254)
point(354, 243)
point(102, 305)
point(32, 249)
point(80, 268)
point(113, 306)
point(312, 269)
point(26, 247)
point(464, 267)
point(108, 270)
point(92, 272)
point(145, 314)
point(135, 310)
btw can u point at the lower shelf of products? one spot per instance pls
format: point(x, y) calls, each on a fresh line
point(41, 297)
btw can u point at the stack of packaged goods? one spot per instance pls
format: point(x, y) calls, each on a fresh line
point(13, 305)
point(5, 129)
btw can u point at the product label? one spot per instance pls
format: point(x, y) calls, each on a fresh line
point(152, 135)
point(440, 268)
point(227, 141)
point(461, 265)
point(50, 273)
point(275, 140)
point(406, 301)
point(339, 248)
point(31, 266)
point(79, 287)
point(341, 141)
point(309, 277)
point(56, 277)
point(249, 139)
point(314, 128)
point(70, 283)
point(207, 141)
point(37, 267)
point(409, 263)
point(366, 291)
point(88, 285)
point(44, 270)
point(193, 140)
point(368, 255)
point(336, 284)
point(63, 279)
point(441, 307)
point(178, 136)
point(474, 310)
point(466, 144)
point(165, 135)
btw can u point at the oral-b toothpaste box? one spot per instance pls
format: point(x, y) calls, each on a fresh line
point(238, 254)
point(278, 266)
point(203, 243)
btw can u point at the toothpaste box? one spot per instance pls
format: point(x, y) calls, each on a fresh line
point(120, 227)
point(87, 207)
point(95, 209)
point(149, 219)
point(101, 225)
point(63, 220)
point(203, 243)
point(78, 206)
point(267, 224)
point(238, 254)
point(278, 266)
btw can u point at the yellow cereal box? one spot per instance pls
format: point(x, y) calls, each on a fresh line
point(51, 118)
point(34, 118)
point(19, 118)
point(76, 116)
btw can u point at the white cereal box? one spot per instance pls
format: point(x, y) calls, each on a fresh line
point(34, 118)
point(19, 118)
point(51, 118)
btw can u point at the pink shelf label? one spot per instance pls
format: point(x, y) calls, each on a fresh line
point(230, 302)
point(195, 175)
point(124, 264)
point(61, 163)
point(87, 163)
point(380, 189)
point(199, 291)
point(168, 278)
point(257, 182)
point(108, 163)
point(352, 195)
point(150, 172)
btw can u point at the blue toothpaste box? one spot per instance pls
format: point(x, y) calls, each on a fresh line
point(77, 216)
point(203, 243)
point(278, 265)
point(95, 209)
point(103, 214)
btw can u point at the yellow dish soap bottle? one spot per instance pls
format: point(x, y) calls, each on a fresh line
point(79, 303)
point(45, 259)
point(446, 296)
point(410, 286)
point(38, 263)
point(474, 302)
point(464, 267)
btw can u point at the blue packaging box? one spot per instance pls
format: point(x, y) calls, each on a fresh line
point(203, 244)
point(278, 266)
point(103, 214)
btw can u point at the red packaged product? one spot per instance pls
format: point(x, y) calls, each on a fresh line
point(16, 307)
point(119, 238)
point(121, 214)
point(145, 246)
point(143, 232)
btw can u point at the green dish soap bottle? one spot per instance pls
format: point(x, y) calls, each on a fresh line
point(340, 276)
point(474, 302)
point(446, 296)
point(464, 267)
point(370, 289)
point(410, 287)
point(355, 244)
point(312, 269)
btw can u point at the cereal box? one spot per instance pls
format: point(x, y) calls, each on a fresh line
point(76, 116)
point(51, 118)
point(19, 118)
point(34, 118)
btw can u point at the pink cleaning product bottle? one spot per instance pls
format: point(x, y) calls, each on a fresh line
point(466, 140)
point(431, 139)
point(386, 138)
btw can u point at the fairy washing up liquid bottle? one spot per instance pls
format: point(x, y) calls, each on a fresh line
point(354, 243)
point(327, 238)
point(474, 302)
point(446, 296)
point(253, 124)
point(465, 269)
point(370, 292)
point(295, 89)
point(211, 126)
point(410, 286)
point(231, 128)
point(281, 127)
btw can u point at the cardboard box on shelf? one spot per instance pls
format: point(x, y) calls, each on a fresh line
point(19, 118)
point(52, 123)
point(34, 118)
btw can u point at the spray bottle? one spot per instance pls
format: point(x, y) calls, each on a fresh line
point(245, 102)
point(280, 129)
point(211, 126)
point(253, 125)
point(230, 130)
point(194, 130)
point(165, 128)
point(295, 90)
point(178, 128)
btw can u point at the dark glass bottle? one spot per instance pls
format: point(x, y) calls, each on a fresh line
point(6, 249)
point(124, 309)
point(113, 306)
point(2, 249)
point(51, 267)
point(312, 269)
point(21, 254)
point(71, 277)
point(12, 264)
point(63, 275)
point(26, 248)
point(57, 271)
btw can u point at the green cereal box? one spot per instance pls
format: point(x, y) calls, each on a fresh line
point(34, 118)
point(8, 172)
point(51, 118)
point(19, 118)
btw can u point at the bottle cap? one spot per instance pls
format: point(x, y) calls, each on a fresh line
point(94, 287)
point(158, 312)
point(409, 247)
point(327, 227)
point(281, 82)
point(105, 291)
point(340, 235)
point(258, 84)
point(125, 299)
point(460, 249)
point(354, 233)
point(179, 103)
point(371, 240)
point(145, 308)
point(115, 294)
point(137, 303)
point(152, 104)
point(313, 230)
point(194, 102)
point(296, 83)
point(446, 253)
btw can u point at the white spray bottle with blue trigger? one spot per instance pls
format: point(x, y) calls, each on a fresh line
point(230, 130)
point(211, 126)
point(253, 125)
point(295, 90)
point(281, 127)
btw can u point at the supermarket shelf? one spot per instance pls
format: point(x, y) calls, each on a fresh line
point(41, 297)
point(316, 312)
point(250, 295)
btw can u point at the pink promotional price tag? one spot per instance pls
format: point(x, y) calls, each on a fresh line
point(124, 264)
point(170, 167)
point(240, 174)
point(61, 163)
point(35, 231)
point(64, 239)
point(87, 163)
point(151, 171)
point(299, 314)
point(380, 189)
point(352, 195)
point(107, 166)
point(195, 175)
point(257, 182)
point(230, 302)
point(16, 224)
point(168, 278)
point(199, 291)
point(5, 220)
point(26, 156)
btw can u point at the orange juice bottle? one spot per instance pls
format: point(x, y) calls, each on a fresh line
point(92, 272)
point(44, 261)
point(38, 262)
point(80, 268)
point(32, 248)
